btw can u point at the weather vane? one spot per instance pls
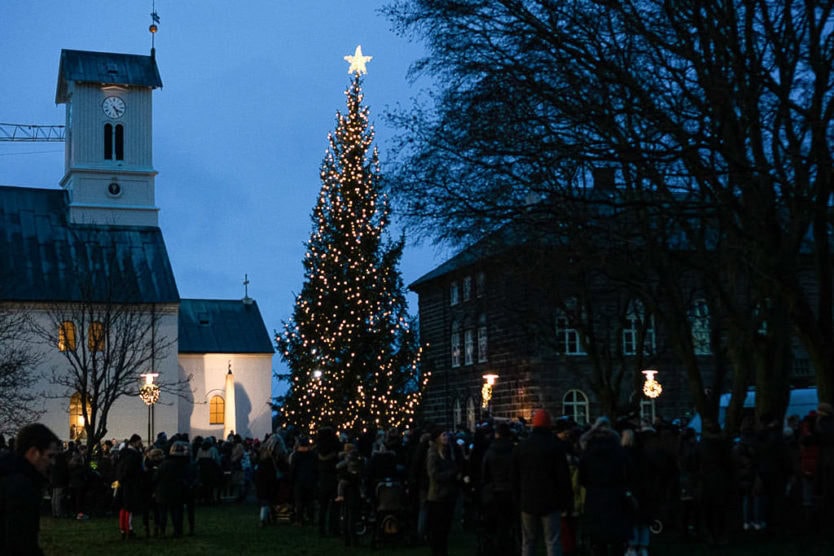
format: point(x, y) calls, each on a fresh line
point(357, 61)
point(154, 27)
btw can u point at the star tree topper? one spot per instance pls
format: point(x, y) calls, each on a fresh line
point(357, 61)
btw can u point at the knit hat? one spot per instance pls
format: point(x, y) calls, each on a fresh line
point(541, 419)
point(825, 409)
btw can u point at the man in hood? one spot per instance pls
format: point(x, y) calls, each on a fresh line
point(23, 475)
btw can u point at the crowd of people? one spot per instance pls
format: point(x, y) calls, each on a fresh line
point(604, 487)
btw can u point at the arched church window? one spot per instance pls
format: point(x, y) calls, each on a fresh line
point(95, 336)
point(66, 336)
point(76, 418)
point(457, 414)
point(217, 410)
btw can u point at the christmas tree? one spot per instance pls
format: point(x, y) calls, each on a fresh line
point(352, 354)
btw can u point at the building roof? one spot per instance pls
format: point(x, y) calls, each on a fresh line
point(43, 258)
point(222, 326)
point(79, 66)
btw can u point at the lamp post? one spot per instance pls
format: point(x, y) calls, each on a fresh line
point(486, 391)
point(651, 387)
point(149, 393)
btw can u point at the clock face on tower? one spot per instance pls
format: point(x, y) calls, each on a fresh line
point(113, 107)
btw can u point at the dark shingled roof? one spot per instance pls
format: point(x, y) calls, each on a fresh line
point(79, 66)
point(45, 259)
point(222, 326)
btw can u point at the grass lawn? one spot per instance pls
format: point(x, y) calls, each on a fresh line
point(232, 529)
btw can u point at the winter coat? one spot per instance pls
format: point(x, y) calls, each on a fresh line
point(745, 464)
point(648, 477)
point(21, 487)
point(172, 481)
point(443, 471)
point(59, 474)
point(266, 480)
point(131, 496)
point(541, 479)
point(303, 468)
point(497, 465)
point(603, 469)
point(715, 467)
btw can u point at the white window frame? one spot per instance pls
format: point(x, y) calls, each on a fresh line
point(482, 339)
point(455, 345)
point(457, 414)
point(648, 410)
point(575, 404)
point(699, 321)
point(568, 337)
point(635, 313)
point(470, 414)
point(454, 293)
point(468, 346)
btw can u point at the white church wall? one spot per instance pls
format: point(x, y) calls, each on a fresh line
point(128, 414)
point(253, 392)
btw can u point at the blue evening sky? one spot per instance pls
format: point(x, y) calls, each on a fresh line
point(251, 89)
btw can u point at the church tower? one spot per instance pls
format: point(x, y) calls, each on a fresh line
point(108, 162)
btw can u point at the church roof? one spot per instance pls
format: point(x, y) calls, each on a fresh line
point(222, 326)
point(43, 258)
point(80, 66)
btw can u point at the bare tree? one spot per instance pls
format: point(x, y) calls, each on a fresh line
point(107, 336)
point(19, 398)
point(717, 116)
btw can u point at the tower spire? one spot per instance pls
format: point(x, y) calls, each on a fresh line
point(153, 28)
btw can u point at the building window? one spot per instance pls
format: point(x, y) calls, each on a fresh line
point(700, 323)
point(120, 142)
point(468, 347)
point(217, 410)
point(76, 418)
point(457, 414)
point(454, 293)
point(575, 405)
point(455, 342)
point(647, 410)
point(108, 141)
point(95, 336)
point(467, 288)
point(114, 142)
point(66, 336)
point(635, 325)
point(482, 339)
point(480, 284)
point(470, 414)
point(568, 338)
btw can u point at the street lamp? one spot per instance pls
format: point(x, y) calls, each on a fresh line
point(149, 393)
point(486, 390)
point(651, 387)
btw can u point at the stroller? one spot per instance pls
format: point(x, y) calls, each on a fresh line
point(390, 515)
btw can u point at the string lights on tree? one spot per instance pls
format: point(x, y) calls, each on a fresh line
point(350, 348)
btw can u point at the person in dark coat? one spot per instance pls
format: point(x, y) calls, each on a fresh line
point(746, 474)
point(541, 482)
point(327, 455)
point(270, 466)
point(59, 483)
point(303, 479)
point(774, 468)
point(130, 493)
point(715, 473)
point(603, 471)
point(497, 491)
point(23, 475)
point(418, 483)
point(172, 480)
point(825, 466)
point(443, 466)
